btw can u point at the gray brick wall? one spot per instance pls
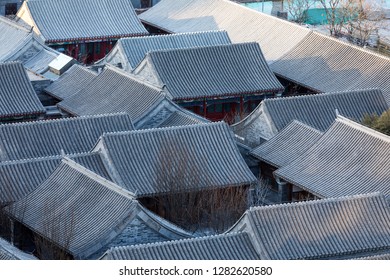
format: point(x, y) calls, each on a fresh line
point(137, 233)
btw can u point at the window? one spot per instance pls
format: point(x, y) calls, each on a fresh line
point(11, 9)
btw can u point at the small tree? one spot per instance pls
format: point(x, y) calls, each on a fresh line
point(337, 12)
point(260, 192)
point(298, 10)
point(380, 123)
point(358, 18)
point(186, 196)
point(365, 21)
point(57, 233)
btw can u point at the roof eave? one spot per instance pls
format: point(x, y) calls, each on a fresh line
point(92, 39)
point(224, 95)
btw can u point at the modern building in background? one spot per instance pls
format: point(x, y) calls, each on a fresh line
point(9, 7)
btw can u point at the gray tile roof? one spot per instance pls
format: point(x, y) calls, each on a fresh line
point(17, 95)
point(39, 63)
point(71, 20)
point(317, 111)
point(217, 71)
point(327, 64)
point(348, 159)
point(21, 44)
point(76, 209)
point(134, 49)
point(276, 36)
point(328, 228)
point(233, 246)
point(113, 91)
point(294, 52)
point(10, 252)
point(149, 162)
point(86, 214)
point(76, 78)
point(287, 145)
point(50, 137)
point(166, 113)
point(117, 91)
point(20, 177)
point(13, 37)
point(179, 118)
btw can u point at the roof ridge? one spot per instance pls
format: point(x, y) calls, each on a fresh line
point(147, 130)
point(76, 65)
point(89, 173)
point(185, 112)
point(162, 222)
point(368, 130)
point(68, 119)
point(15, 24)
point(332, 93)
point(133, 77)
point(265, 15)
point(43, 158)
point(150, 37)
point(178, 241)
point(12, 62)
point(301, 124)
point(319, 201)
point(233, 45)
point(351, 45)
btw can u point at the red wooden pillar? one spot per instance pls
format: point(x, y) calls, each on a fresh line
point(76, 51)
point(241, 106)
point(204, 107)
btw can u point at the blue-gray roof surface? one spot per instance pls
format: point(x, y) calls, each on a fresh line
point(20, 43)
point(76, 209)
point(76, 78)
point(296, 53)
point(136, 48)
point(51, 137)
point(17, 95)
point(328, 228)
point(233, 246)
point(167, 113)
point(149, 162)
point(13, 37)
point(67, 20)
point(329, 64)
point(216, 71)
point(20, 177)
point(39, 63)
point(275, 36)
point(113, 91)
point(315, 110)
point(318, 110)
point(348, 159)
point(287, 145)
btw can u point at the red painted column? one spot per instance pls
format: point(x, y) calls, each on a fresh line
point(241, 106)
point(204, 107)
